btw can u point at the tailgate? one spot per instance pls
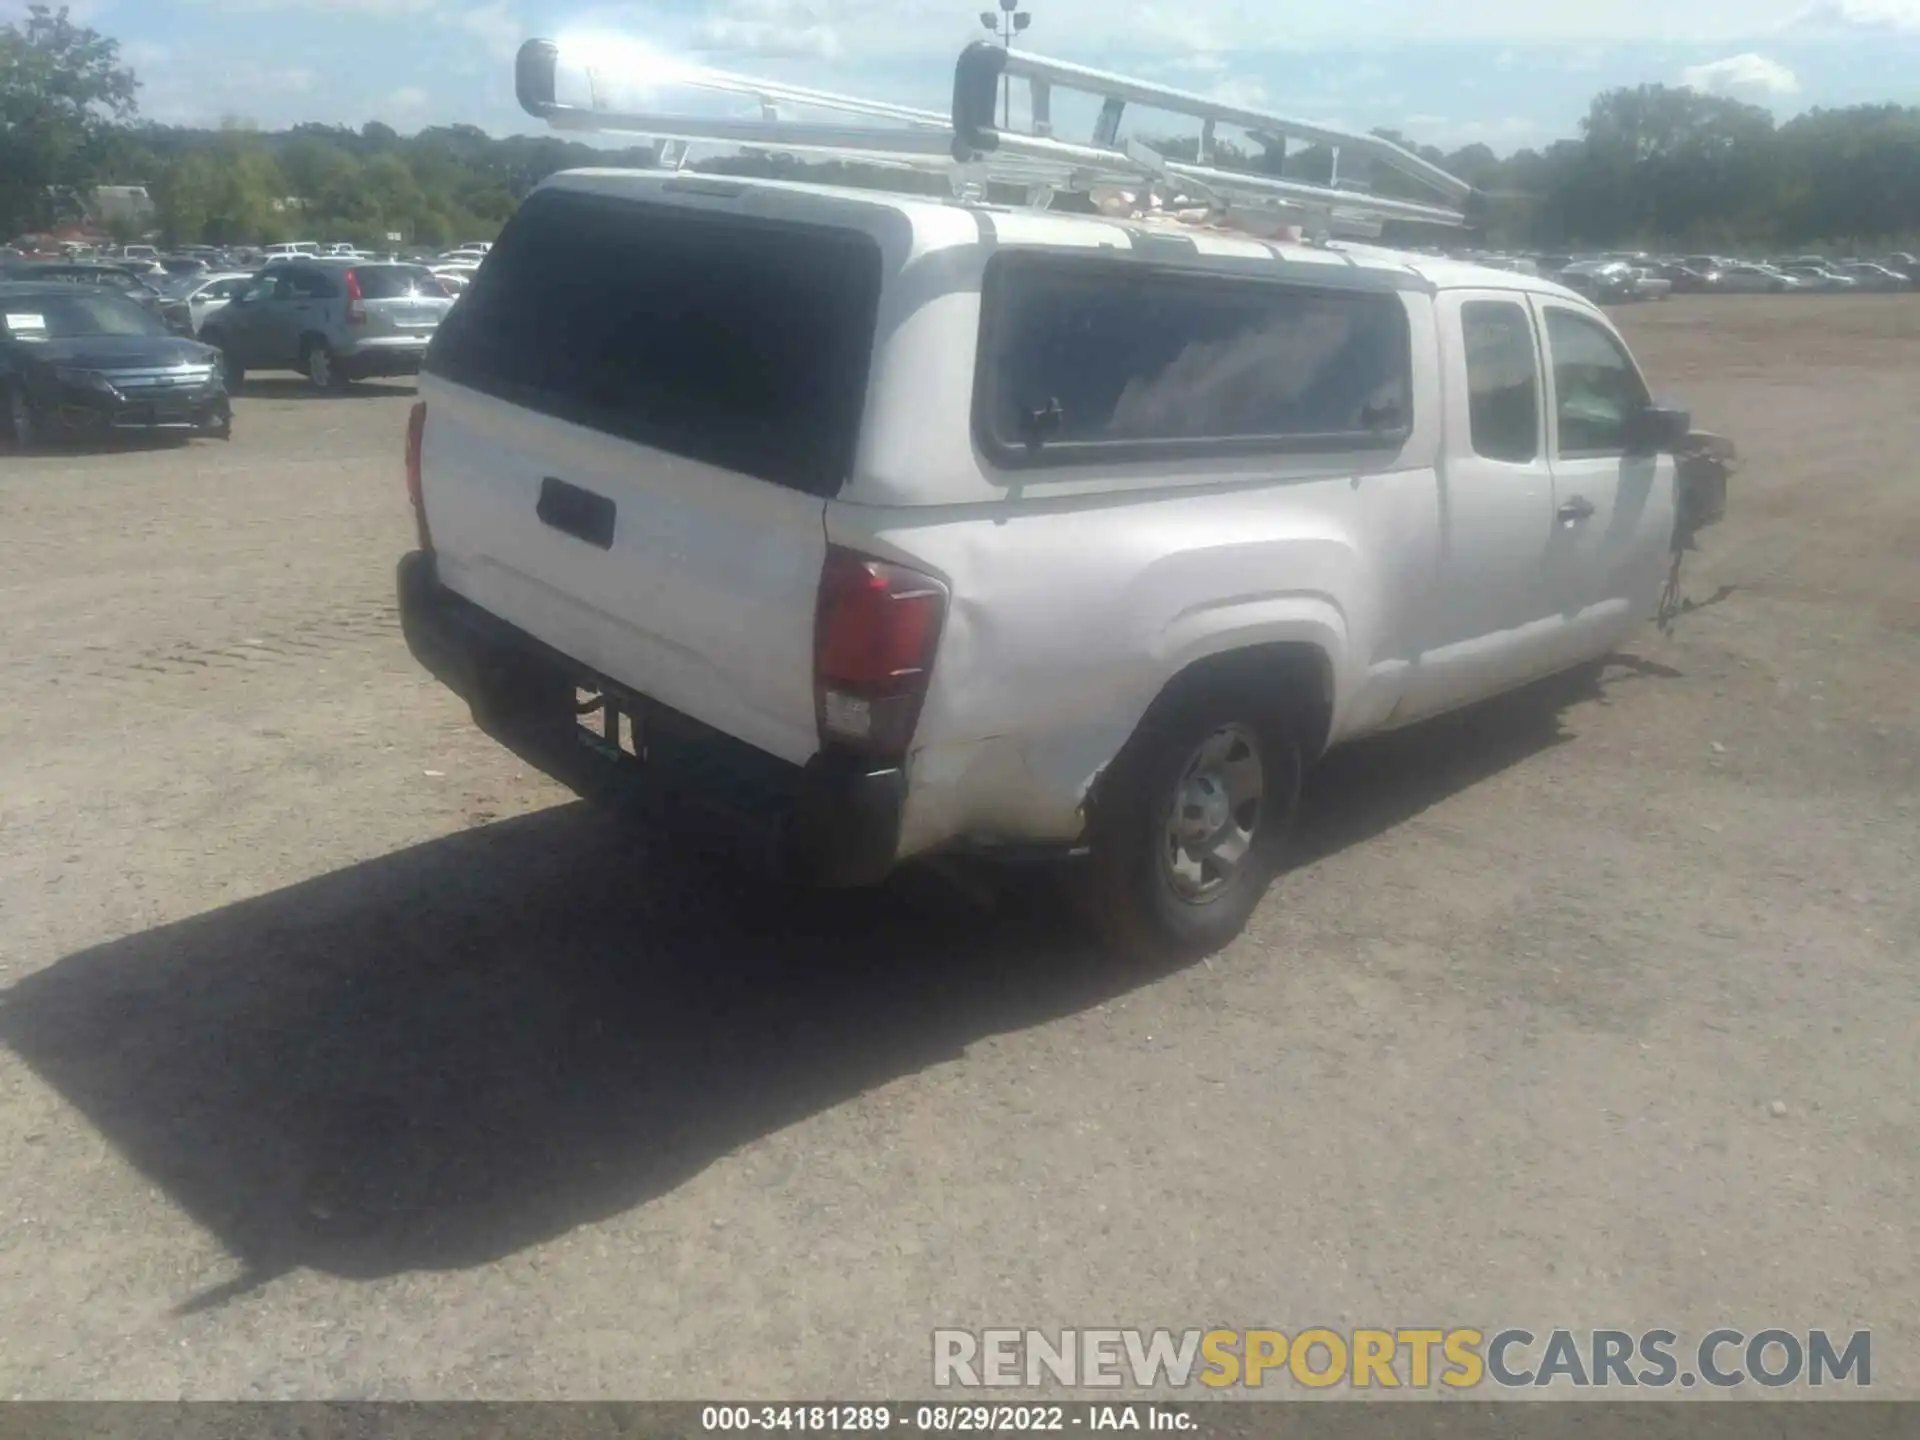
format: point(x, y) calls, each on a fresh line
point(413, 317)
point(685, 582)
point(634, 418)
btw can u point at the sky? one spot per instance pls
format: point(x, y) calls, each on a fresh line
point(1508, 73)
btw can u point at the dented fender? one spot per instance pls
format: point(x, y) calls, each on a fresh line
point(1034, 788)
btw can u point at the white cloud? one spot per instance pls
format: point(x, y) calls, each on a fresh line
point(146, 54)
point(494, 25)
point(1205, 62)
point(1513, 132)
point(1243, 90)
point(407, 100)
point(173, 98)
point(1884, 17)
point(81, 12)
point(1741, 77)
point(770, 29)
point(357, 7)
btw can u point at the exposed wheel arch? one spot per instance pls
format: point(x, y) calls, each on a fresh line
point(1296, 673)
point(1293, 678)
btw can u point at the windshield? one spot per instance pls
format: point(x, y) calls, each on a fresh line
point(50, 316)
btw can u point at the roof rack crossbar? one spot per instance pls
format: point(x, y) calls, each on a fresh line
point(982, 64)
point(971, 148)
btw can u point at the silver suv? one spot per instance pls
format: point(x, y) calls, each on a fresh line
point(334, 320)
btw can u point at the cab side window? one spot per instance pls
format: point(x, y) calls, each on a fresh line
point(1503, 380)
point(1596, 388)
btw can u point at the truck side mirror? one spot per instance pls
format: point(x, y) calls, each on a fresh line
point(1658, 427)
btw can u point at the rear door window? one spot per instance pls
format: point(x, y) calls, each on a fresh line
point(1503, 380)
point(1084, 361)
point(734, 341)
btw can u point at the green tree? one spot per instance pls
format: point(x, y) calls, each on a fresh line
point(184, 199)
point(61, 88)
point(395, 194)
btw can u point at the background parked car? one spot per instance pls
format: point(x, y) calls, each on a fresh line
point(85, 272)
point(1870, 276)
point(78, 359)
point(1754, 279)
point(1819, 277)
point(1602, 281)
point(150, 272)
point(1649, 283)
point(1687, 279)
point(192, 300)
point(335, 320)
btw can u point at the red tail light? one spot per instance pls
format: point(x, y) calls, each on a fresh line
point(876, 628)
point(356, 306)
point(416, 432)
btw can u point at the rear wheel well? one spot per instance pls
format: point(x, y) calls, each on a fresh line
point(1295, 676)
point(1290, 680)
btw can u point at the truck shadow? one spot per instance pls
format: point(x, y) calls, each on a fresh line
point(1360, 790)
point(438, 1057)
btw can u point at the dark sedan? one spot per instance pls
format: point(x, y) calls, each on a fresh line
point(81, 272)
point(79, 359)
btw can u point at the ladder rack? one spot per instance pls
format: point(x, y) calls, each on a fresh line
point(1120, 176)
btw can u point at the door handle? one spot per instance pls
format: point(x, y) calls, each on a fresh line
point(1576, 509)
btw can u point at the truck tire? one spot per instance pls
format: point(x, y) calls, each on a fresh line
point(1191, 823)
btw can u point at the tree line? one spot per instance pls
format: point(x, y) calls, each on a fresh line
point(1653, 165)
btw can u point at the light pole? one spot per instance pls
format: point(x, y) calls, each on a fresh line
point(1010, 21)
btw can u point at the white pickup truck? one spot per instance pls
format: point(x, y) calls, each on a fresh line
point(889, 526)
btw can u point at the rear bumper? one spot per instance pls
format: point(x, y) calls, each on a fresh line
point(832, 822)
point(367, 361)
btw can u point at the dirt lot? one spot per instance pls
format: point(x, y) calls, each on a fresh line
point(342, 1057)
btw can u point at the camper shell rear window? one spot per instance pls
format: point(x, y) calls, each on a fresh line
point(732, 340)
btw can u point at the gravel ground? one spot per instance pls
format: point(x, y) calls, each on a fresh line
point(341, 1056)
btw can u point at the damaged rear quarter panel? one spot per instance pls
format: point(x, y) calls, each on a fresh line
point(1069, 615)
